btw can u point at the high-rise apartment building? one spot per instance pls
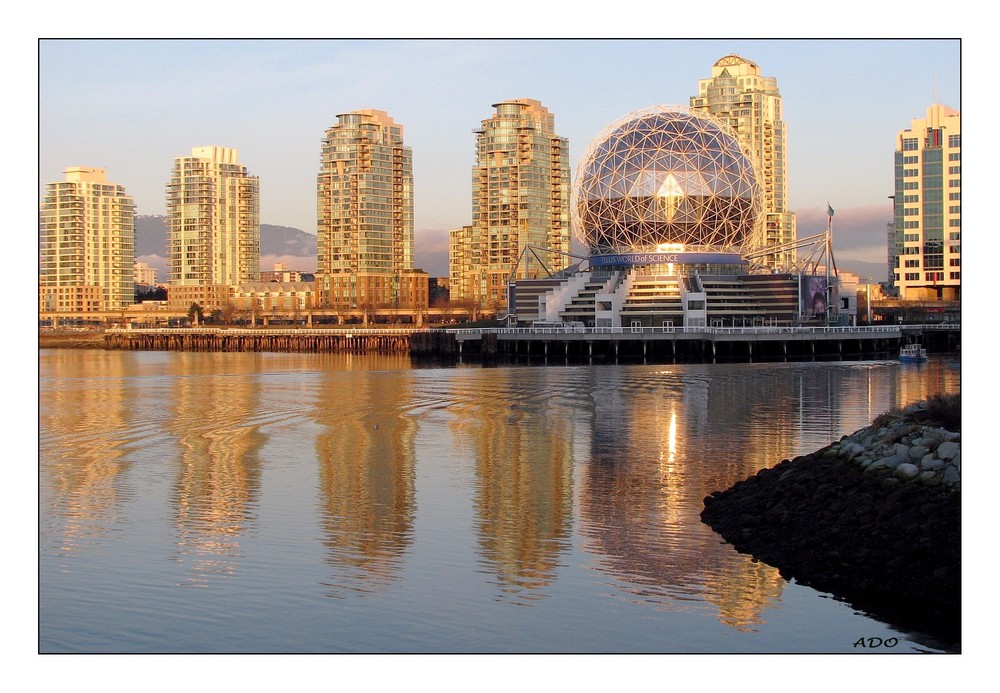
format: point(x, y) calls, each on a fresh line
point(928, 207)
point(364, 213)
point(213, 220)
point(751, 104)
point(520, 198)
point(87, 244)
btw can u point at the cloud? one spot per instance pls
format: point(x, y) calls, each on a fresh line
point(430, 251)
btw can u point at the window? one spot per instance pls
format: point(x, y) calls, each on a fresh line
point(954, 140)
point(910, 144)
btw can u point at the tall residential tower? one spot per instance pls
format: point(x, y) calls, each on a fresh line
point(87, 244)
point(751, 104)
point(213, 220)
point(520, 198)
point(364, 214)
point(928, 207)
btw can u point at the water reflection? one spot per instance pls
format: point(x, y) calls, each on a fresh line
point(520, 436)
point(87, 425)
point(366, 476)
point(664, 438)
point(215, 400)
point(570, 490)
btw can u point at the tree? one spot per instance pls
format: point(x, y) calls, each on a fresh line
point(195, 313)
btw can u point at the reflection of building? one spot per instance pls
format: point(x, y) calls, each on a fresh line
point(366, 456)
point(83, 450)
point(524, 463)
point(365, 214)
point(520, 198)
point(213, 219)
point(219, 469)
point(87, 233)
point(751, 104)
point(660, 444)
point(928, 207)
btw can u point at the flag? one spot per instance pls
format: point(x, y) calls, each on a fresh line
point(829, 210)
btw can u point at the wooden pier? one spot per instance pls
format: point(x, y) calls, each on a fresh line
point(352, 341)
point(700, 345)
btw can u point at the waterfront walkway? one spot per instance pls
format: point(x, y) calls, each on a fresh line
point(570, 342)
point(699, 342)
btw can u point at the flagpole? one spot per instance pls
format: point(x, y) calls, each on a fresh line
point(829, 259)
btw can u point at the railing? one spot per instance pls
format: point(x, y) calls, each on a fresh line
point(312, 331)
point(766, 329)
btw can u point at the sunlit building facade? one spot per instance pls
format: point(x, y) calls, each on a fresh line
point(928, 207)
point(213, 219)
point(87, 234)
point(466, 276)
point(364, 212)
point(520, 200)
point(751, 104)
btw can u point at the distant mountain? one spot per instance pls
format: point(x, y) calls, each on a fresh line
point(279, 241)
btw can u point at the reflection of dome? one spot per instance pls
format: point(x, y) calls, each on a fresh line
point(664, 175)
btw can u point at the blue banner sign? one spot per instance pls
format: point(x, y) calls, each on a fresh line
point(664, 258)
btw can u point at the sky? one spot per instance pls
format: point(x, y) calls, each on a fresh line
point(132, 106)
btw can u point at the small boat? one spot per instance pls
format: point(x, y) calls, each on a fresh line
point(912, 353)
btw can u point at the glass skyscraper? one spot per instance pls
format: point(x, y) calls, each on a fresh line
point(751, 104)
point(928, 207)
point(364, 211)
point(520, 199)
point(213, 220)
point(87, 233)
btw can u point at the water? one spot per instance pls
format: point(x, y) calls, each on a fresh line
point(224, 502)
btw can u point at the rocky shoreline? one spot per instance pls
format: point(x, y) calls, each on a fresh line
point(874, 519)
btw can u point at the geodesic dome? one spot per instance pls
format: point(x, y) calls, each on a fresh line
point(664, 175)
